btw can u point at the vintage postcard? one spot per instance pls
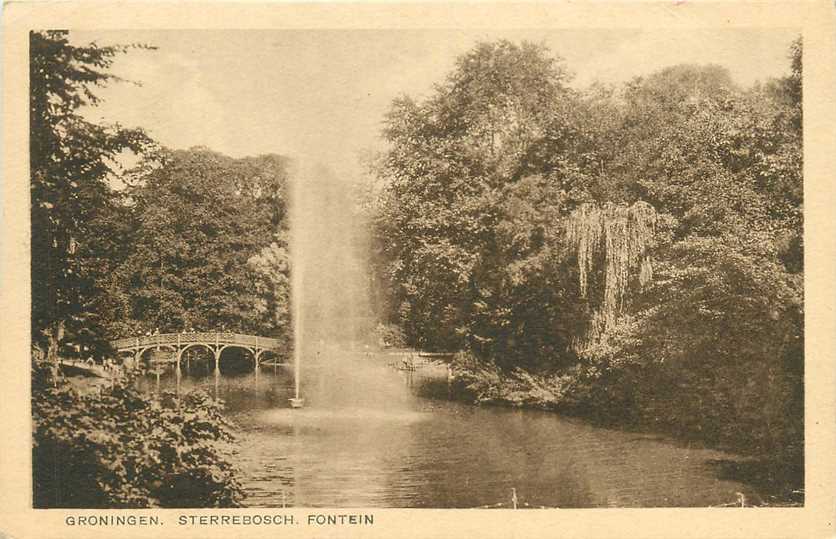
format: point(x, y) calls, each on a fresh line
point(418, 270)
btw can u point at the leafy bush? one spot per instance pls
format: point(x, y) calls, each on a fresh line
point(390, 335)
point(485, 382)
point(721, 350)
point(120, 448)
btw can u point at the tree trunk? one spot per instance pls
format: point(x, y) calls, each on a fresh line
point(54, 333)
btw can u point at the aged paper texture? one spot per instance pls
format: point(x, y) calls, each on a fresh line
point(308, 88)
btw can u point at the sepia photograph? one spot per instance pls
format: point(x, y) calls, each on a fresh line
point(417, 269)
point(346, 270)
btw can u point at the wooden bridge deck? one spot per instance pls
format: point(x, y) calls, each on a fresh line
point(206, 338)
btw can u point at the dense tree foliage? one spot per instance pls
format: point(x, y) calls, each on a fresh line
point(465, 221)
point(120, 448)
point(206, 248)
point(195, 240)
point(633, 253)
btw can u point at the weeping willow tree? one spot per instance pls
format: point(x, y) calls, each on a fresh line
point(617, 238)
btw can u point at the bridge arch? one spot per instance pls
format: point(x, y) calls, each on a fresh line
point(269, 352)
point(139, 353)
point(240, 357)
point(207, 346)
point(239, 346)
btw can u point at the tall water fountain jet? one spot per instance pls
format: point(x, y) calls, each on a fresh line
point(329, 290)
point(298, 210)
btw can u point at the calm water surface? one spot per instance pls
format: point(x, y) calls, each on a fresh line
point(405, 450)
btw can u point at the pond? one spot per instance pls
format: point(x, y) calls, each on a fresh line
point(384, 438)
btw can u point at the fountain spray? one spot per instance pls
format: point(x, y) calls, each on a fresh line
point(329, 293)
point(297, 271)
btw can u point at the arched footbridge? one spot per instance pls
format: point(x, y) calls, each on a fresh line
point(216, 342)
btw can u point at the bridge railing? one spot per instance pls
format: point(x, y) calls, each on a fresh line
point(214, 337)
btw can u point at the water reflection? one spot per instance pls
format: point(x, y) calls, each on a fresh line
point(408, 451)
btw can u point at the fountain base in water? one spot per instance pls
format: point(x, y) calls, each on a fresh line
point(296, 402)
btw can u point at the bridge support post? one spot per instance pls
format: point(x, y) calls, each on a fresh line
point(217, 352)
point(179, 353)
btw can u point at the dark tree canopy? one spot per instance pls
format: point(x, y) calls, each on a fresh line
point(75, 215)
